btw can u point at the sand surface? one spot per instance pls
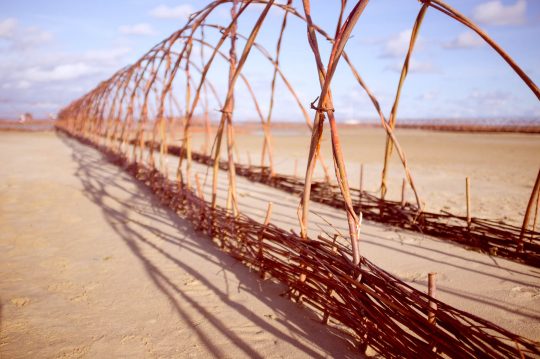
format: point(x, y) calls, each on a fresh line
point(93, 266)
point(502, 167)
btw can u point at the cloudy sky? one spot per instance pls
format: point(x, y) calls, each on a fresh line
point(52, 52)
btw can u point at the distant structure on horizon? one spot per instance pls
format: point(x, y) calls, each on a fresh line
point(26, 117)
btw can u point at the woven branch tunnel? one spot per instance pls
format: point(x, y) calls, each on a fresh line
point(137, 115)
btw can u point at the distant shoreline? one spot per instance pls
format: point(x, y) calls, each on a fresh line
point(527, 127)
point(29, 126)
point(532, 129)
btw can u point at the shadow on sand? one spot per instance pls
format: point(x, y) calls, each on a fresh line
point(101, 180)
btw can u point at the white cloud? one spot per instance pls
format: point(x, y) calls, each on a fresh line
point(7, 28)
point(20, 85)
point(257, 8)
point(142, 29)
point(490, 98)
point(398, 45)
point(176, 12)
point(32, 36)
point(421, 67)
point(60, 72)
point(22, 38)
point(37, 78)
point(489, 103)
point(34, 71)
point(354, 104)
point(46, 104)
point(106, 56)
point(465, 40)
point(23, 85)
point(428, 95)
point(415, 66)
point(496, 13)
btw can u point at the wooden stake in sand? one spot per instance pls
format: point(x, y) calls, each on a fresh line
point(432, 305)
point(202, 206)
point(468, 197)
point(261, 236)
point(432, 292)
point(535, 214)
point(403, 188)
point(361, 184)
point(534, 192)
point(296, 167)
point(199, 188)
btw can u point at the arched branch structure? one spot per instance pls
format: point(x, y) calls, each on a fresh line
point(133, 114)
point(132, 105)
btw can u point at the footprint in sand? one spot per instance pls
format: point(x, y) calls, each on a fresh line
point(82, 296)
point(418, 277)
point(20, 301)
point(126, 338)
point(190, 281)
point(73, 292)
point(77, 352)
point(412, 277)
point(60, 264)
point(61, 287)
point(408, 240)
point(526, 292)
point(79, 298)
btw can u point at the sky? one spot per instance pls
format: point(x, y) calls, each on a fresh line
point(52, 52)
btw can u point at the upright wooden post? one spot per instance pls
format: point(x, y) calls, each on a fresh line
point(229, 199)
point(468, 197)
point(534, 192)
point(432, 292)
point(361, 184)
point(199, 188)
point(200, 193)
point(535, 214)
point(249, 159)
point(432, 319)
point(296, 167)
point(261, 237)
point(403, 189)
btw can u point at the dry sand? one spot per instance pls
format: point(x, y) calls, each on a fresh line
point(93, 266)
point(502, 166)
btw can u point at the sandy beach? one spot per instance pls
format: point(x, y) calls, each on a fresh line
point(94, 266)
point(269, 179)
point(502, 166)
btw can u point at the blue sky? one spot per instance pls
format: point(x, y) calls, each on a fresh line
point(52, 52)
